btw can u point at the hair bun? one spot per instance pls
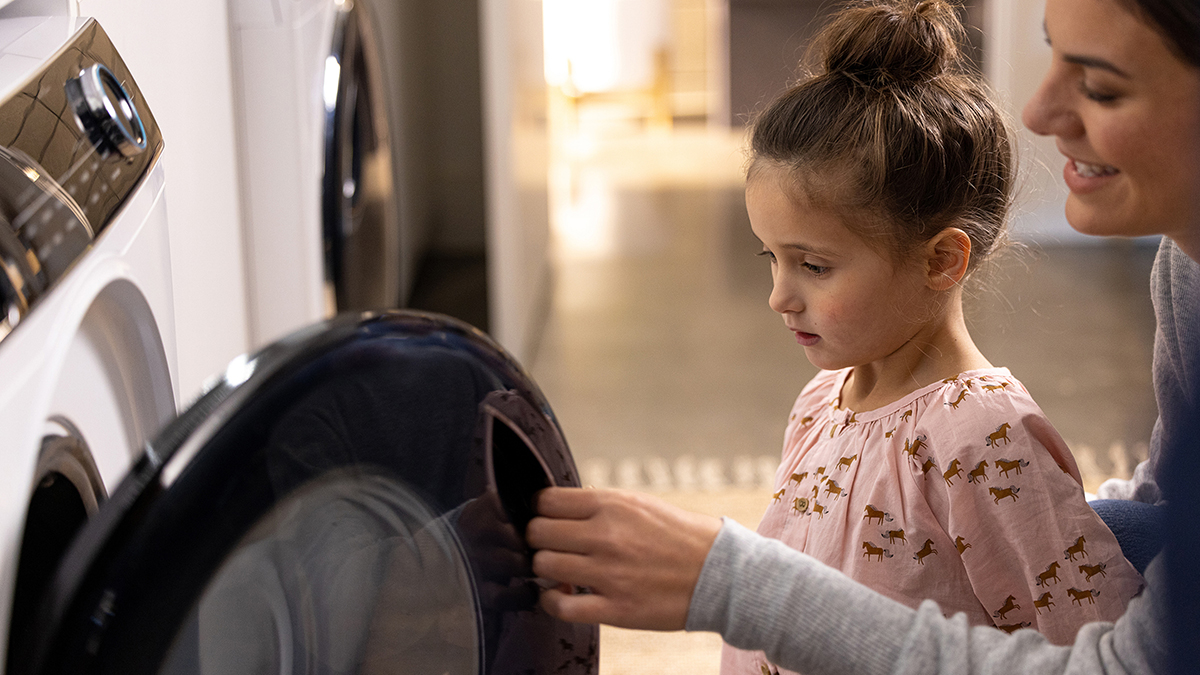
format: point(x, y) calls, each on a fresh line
point(892, 40)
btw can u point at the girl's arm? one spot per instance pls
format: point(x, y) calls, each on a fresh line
point(760, 594)
point(1035, 552)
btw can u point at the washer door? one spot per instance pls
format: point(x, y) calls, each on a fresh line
point(349, 500)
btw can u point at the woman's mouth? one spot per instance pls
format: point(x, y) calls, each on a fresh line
point(1083, 177)
point(1092, 170)
point(806, 339)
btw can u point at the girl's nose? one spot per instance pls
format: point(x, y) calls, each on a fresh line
point(1051, 111)
point(784, 298)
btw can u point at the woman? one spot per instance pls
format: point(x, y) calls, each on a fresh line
point(1122, 99)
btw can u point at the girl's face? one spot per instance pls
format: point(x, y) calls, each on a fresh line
point(1126, 113)
point(845, 301)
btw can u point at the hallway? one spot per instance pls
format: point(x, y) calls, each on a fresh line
point(668, 370)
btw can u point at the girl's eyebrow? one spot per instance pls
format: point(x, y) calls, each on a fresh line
point(805, 248)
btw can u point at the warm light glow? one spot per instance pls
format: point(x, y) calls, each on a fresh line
point(602, 45)
point(582, 213)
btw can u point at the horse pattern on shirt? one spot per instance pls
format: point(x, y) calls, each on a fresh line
point(1001, 531)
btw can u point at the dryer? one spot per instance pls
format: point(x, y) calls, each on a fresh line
point(321, 226)
point(350, 499)
point(87, 342)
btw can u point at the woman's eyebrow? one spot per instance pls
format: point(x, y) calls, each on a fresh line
point(1094, 62)
point(1086, 61)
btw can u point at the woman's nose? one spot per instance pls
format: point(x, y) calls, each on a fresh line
point(1051, 111)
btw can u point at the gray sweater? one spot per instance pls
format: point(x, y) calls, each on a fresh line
point(760, 594)
point(1175, 289)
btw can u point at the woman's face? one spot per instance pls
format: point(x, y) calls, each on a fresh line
point(1126, 113)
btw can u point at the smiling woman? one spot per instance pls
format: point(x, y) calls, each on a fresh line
point(1123, 107)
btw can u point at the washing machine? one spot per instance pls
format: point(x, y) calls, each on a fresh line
point(320, 222)
point(87, 343)
point(351, 499)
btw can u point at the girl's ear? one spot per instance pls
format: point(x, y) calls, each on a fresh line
point(946, 258)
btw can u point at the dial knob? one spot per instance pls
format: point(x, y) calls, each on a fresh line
point(105, 112)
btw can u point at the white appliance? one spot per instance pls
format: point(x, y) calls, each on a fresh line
point(87, 329)
point(321, 232)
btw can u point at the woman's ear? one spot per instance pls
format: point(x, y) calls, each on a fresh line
point(947, 256)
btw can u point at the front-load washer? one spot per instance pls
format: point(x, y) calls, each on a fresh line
point(351, 499)
point(87, 333)
point(321, 226)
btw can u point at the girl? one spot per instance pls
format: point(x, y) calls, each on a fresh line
point(910, 463)
point(1123, 95)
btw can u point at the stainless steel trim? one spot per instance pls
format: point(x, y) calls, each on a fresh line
point(66, 174)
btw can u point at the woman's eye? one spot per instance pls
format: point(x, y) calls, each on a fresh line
point(815, 269)
point(1095, 94)
point(766, 254)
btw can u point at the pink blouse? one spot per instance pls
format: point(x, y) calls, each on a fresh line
point(961, 492)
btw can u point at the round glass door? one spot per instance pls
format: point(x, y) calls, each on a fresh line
point(349, 500)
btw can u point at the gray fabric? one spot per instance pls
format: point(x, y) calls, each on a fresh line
point(1175, 289)
point(760, 594)
point(823, 623)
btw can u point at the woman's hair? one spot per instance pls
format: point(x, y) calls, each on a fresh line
point(893, 130)
point(1178, 21)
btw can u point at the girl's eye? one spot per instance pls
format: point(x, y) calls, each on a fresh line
point(815, 269)
point(767, 254)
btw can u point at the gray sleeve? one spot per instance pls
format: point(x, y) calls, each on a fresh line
point(1142, 487)
point(760, 594)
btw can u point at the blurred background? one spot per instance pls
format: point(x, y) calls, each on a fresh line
point(622, 128)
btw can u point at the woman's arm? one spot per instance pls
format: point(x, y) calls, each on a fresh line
point(650, 565)
point(760, 594)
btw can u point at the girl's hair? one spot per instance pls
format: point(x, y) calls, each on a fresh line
point(1178, 21)
point(892, 126)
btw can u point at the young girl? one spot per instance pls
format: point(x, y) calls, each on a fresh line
point(910, 463)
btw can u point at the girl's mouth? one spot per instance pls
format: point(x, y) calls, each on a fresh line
point(806, 339)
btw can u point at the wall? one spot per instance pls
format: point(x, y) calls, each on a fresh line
point(516, 156)
point(433, 67)
point(767, 39)
point(1016, 58)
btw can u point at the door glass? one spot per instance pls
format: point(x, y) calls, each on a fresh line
point(351, 573)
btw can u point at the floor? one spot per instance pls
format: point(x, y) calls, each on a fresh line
point(669, 372)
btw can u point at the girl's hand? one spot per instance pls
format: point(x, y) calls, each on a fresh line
point(638, 556)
